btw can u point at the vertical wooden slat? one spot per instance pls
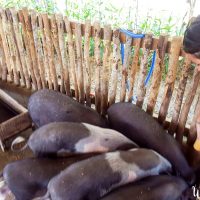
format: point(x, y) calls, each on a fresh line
point(63, 54)
point(105, 72)
point(143, 70)
point(157, 73)
point(71, 56)
point(31, 44)
point(87, 68)
point(179, 96)
point(134, 68)
point(79, 52)
point(5, 46)
point(115, 67)
point(28, 53)
point(16, 57)
point(97, 42)
point(171, 77)
point(38, 48)
point(3, 61)
point(186, 106)
point(50, 51)
point(193, 130)
point(125, 67)
point(44, 53)
point(12, 47)
point(54, 36)
point(20, 47)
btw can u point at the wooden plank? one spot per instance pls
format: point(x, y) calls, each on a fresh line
point(143, 70)
point(38, 47)
point(171, 77)
point(98, 64)
point(87, 67)
point(157, 73)
point(16, 56)
point(186, 106)
point(33, 55)
point(50, 50)
point(80, 78)
point(20, 48)
point(106, 68)
point(28, 53)
point(134, 68)
point(125, 67)
point(14, 126)
point(3, 61)
point(11, 102)
point(179, 96)
point(62, 51)
point(115, 68)
point(193, 127)
point(5, 46)
point(71, 51)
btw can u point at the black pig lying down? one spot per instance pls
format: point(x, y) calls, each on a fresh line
point(76, 137)
point(29, 178)
point(160, 187)
point(141, 128)
point(95, 177)
point(46, 106)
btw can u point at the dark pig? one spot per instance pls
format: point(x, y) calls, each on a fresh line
point(141, 128)
point(46, 106)
point(95, 177)
point(29, 178)
point(160, 187)
point(76, 137)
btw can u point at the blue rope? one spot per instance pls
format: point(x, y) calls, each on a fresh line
point(131, 34)
point(122, 52)
point(151, 68)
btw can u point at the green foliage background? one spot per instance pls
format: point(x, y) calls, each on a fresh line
point(106, 12)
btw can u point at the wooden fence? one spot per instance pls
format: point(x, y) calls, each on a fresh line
point(40, 51)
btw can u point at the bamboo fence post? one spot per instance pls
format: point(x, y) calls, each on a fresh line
point(50, 50)
point(3, 60)
point(71, 56)
point(125, 67)
point(134, 68)
point(87, 68)
point(157, 73)
point(143, 70)
point(171, 77)
point(63, 53)
point(54, 37)
point(20, 47)
point(31, 44)
point(186, 106)
point(34, 23)
point(12, 47)
point(115, 67)
point(44, 52)
point(17, 60)
point(105, 72)
point(98, 64)
point(79, 52)
point(179, 96)
point(28, 53)
point(193, 130)
point(5, 46)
